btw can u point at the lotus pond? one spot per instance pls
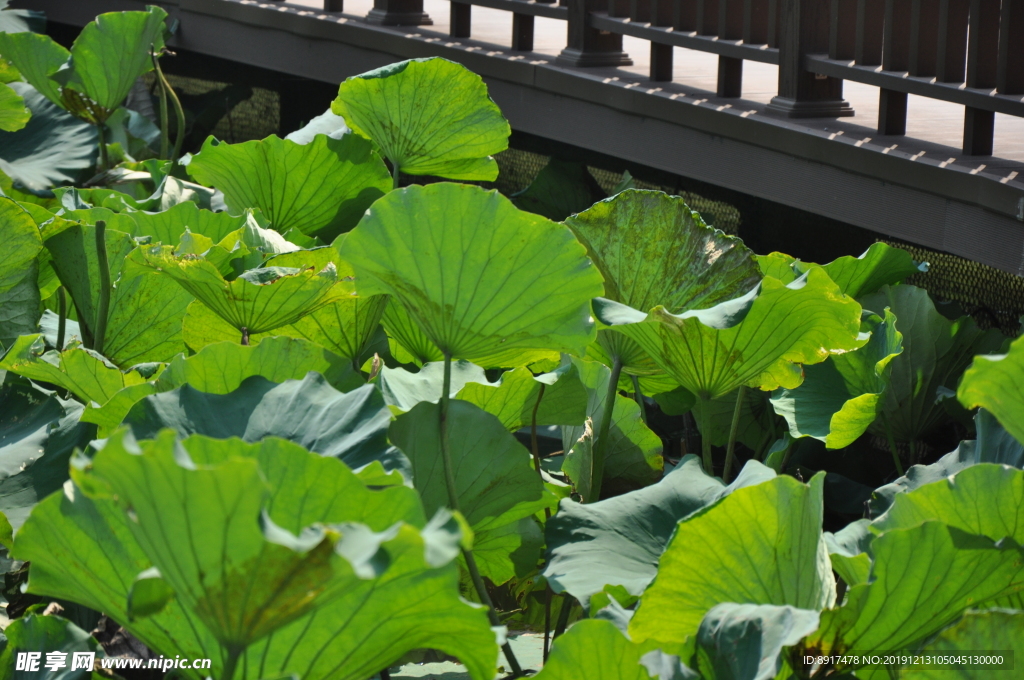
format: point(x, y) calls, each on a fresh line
point(322, 405)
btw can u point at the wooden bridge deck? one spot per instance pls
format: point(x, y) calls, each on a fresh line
point(919, 187)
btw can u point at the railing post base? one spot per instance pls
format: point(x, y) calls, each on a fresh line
point(398, 13)
point(586, 58)
point(787, 107)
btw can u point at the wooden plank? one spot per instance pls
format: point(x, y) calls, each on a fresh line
point(896, 36)
point(755, 22)
point(522, 32)
point(730, 77)
point(707, 17)
point(924, 38)
point(892, 112)
point(661, 62)
point(983, 44)
point(730, 19)
point(842, 29)
point(684, 15)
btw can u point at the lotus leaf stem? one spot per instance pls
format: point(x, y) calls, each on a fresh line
point(533, 442)
point(639, 396)
point(453, 502)
point(547, 620)
point(234, 654)
point(165, 124)
point(101, 132)
point(395, 175)
point(62, 307)
point(563, 615)
point(730, 451)
point(892, 444)
point(179, 112)
point(601, 447)
point(104, 303)
point(705, 435)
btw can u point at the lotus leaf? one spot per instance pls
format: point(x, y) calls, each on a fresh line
point(19, 292)
point(221, 368)
point(52, 148)
point(419, 132)
point(597, 650)
point(84, 547)
point(632, 454)
point(935, 353)
point(879, 265)
point(993, 629)
point(320, 188)
point(477, 274)
point(922, 578)
point(105, 60)
point(259, 300)
point(840, 398)
point(13, 113)
point(351, 426)
point(80, 371)
point(34, 633)
point(619, 540)
point(652, 249)
point(996, 383)
point(38, 432)
point(757, 545)
point(560, 189)
point(745, 641)
point(36, 57)
point(493, 473)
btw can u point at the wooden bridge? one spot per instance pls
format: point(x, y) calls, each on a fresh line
point(905, 117)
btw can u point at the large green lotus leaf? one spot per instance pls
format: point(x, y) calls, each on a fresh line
point(477, 274)
point(997, 384)
point(758, 545)
point(74, 256)
point(517, 394)
point(494, 473)
point(53, 148)
point(761, 339)
point(36, 57)
point(745, 641)
point(38, 633)
point(110, 53)
point(652, 249)
point(879, 265)
point(321, 188)
point(560, 189)
point(19, 291)
point(509, 551)
point(201, 327)
point(84, 373)
point(511, 398)
point(597, 650)
point(84, 549)
point(993, 445)
point(978, 632)
point(38, 432)
point(633, 452)
point(259, 300)
point(14, 115)
point(922, 579)
point(841, 397)
point(983, 499)
point(619, 540)
point(410, 345)
point(935, 353)
point(351, 426)
point(167, 226)
point(428, 117)
point(221, 368)
point(848, 551)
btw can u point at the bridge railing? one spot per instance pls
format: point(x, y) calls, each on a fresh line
point(968, 52)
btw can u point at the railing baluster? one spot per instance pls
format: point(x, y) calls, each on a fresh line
point(707, 17)
point(618, 8)
point(892, 105)
point(982, 67)
point(398, 13)
point(730, 27)
point(522, 32)
point(588, 46)
point(661, 12)
point(870, 20)
point(952, 52)
point(755, 22)
point(774, 10)
point(1010, 70)
point(803, 30)
point(461, 20)
point(661, 62)
point(684, 15)
point(334, 5)
point(842, 29)
point(924, 33)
